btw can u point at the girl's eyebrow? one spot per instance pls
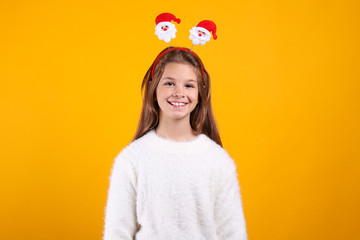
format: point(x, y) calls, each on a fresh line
point(171, 78)
point(168, 78)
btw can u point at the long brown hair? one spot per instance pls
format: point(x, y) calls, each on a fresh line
point(201, 118)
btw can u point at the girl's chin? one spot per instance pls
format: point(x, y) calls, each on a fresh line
point(176, 117)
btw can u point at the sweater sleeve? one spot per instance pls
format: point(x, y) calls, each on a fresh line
point(120, 211)
point(229, 215)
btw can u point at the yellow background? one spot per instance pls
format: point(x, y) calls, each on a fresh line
point(285, 78)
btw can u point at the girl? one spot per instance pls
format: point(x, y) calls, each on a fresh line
point(175, 181)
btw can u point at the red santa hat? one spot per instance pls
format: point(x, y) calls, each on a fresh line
point(166, 17)
point(207, 26)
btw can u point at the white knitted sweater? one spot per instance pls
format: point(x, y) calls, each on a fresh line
point(174, 191)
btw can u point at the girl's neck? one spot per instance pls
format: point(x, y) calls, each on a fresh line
point(175, 130)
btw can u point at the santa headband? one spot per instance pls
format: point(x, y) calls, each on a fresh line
point(200, 34)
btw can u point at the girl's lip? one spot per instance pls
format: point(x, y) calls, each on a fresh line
point(176, 102)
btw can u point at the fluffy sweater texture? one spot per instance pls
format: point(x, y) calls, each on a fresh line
point(162, 189)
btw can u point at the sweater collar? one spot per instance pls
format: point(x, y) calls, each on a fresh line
point(197, 144)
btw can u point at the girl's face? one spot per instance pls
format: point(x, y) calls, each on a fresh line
point(177, 91)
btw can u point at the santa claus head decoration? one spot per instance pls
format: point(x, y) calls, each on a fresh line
point(201, 33)
point(165, 29)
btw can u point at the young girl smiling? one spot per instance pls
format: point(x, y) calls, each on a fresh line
point(174, 180)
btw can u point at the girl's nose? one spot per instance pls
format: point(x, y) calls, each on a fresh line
point(178, 93)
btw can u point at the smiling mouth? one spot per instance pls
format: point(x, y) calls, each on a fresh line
point(177, 104)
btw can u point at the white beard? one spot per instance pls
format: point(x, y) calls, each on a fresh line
point(196, 39)
point(165, 35)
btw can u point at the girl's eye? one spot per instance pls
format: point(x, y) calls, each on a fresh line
point(169, 84)
point(189, 86)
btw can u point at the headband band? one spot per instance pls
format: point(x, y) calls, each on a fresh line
point(177, 48)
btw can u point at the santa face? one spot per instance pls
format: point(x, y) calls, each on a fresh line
point(165, 31)
point(177, 92)
point(199, 36)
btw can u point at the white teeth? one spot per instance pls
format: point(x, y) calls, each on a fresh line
point(177, 104)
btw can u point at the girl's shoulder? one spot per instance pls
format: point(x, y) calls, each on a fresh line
point(221, 156)
point(132, 149)
point(137, 150)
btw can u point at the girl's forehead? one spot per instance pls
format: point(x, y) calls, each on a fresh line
point(180, 71)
